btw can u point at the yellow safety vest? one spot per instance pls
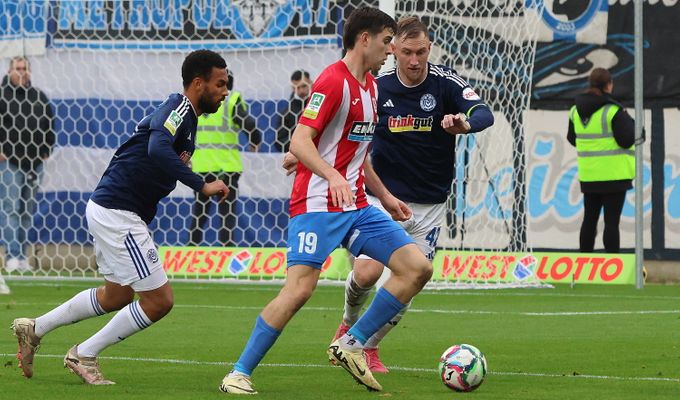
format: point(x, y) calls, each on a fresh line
point(217, 148)
point(600, 158)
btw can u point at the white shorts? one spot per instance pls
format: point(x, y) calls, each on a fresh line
point(126, 253)
point(423, 226)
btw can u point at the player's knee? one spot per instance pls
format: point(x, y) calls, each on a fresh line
point(366, 277)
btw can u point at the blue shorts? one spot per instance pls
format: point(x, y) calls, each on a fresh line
point(313, 236)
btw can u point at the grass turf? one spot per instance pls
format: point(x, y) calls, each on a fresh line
point(590, 342)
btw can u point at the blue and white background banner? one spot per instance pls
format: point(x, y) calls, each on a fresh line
point(23, 27)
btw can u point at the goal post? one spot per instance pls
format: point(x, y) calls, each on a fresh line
point(106, 64)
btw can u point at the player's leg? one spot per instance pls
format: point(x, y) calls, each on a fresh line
point(86, 304)
point(311, 238)
point(424, 229)
point(592, 206)
point(377, 236)
point(29, 331)
point(155, 302)
point(365, 273)
point(613, 205)
point(128, 259)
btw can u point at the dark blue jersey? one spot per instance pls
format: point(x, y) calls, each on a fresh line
point(412, 154)
point(147, 166)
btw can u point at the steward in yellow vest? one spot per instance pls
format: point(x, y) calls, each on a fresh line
point(604, 136)
point(218, 156)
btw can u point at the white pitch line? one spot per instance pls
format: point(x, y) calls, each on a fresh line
point(435, 292)
point(393, 367)
point(413, 310)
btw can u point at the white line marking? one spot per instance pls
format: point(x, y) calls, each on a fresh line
point(414, 310)
point(256, 286)
point(393, 367)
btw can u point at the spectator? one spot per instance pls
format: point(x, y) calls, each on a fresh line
point(26, 139)
point(301, 84)
point(604, 135)
point(218, 157)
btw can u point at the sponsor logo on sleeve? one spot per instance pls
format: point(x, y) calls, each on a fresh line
point(173, 122)
point(469, 94)
point(314, 105)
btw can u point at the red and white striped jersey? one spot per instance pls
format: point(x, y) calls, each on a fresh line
point(344, 113)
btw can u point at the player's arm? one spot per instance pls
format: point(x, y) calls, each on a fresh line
point(476, 117)
point(398, 210)
point(303, 148)
point(161, 152)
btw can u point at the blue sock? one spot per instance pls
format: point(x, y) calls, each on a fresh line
point(261, 340)
point(381, 310)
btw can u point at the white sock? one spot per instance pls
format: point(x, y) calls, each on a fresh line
point(355, 298)
point(82, 306)
point(373, 341)
point(234, 373)
point(348, 342)
point(128, 321)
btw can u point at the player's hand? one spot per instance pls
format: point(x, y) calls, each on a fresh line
point(398, 210)
point(2, 157)
point(290, 163)
point(455, 123)
point(341, 192)
point(216, 188)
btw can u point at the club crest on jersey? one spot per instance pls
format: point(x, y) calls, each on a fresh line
point(361, 131)
point(428, 102)
point(173, 122)
point(409, 123)
point(314, 105)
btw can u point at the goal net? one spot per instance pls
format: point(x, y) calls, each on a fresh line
point(105, 64)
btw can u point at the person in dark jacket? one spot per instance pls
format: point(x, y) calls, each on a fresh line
point(603, 134)
point(26, 139)
point(302, 85)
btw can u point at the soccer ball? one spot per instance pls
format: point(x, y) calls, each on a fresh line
point(462, 367)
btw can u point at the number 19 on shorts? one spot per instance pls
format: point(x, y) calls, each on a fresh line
point(308, 242)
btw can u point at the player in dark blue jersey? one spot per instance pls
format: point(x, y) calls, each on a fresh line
point(143, 170)
point(421, 109)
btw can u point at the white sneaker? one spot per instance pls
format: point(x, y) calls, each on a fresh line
point(237, 384)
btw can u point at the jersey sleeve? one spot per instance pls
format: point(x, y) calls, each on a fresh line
point(169, 118)
point(461, 95)
point(323, 103)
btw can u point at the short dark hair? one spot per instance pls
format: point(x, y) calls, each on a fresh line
point(200, 63)
point(410, 28)
point(298, 74)
point(365, 19)
point(599, 78)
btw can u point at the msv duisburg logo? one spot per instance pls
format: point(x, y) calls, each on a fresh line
point(570, 19)
point(260, 17)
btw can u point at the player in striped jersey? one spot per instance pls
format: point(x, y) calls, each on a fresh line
point(328, 205)
point(143, 170)
point(422, 107)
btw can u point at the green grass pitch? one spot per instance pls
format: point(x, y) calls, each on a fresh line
point(589, 342)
